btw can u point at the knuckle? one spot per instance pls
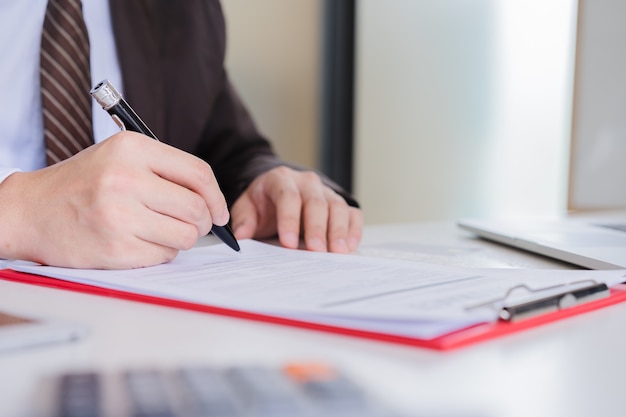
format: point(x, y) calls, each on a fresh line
point(312, 177)
point(202, 170)
point(169, 254)
point(197, 209)
point(317, 202)
point(187, 237)
point(337, 204)
point(282, 171)
point(292, 221)
point(124, 142)
point(289, 193)
point(204, 225)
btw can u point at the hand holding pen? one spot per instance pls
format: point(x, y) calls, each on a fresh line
point(126, 118)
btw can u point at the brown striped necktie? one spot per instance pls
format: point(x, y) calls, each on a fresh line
point(65, 80)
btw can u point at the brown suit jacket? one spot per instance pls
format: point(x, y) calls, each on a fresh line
point(172, 60)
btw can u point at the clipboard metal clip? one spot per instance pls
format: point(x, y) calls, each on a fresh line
point(549, 303)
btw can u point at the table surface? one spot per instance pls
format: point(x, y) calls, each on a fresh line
point(573, 367)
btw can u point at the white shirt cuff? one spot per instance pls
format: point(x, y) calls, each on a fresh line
point(5, 172)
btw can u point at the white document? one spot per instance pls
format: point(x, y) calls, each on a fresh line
point(398, 297)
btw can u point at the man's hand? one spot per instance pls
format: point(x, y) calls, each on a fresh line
point(282, 201)
point(127, 202)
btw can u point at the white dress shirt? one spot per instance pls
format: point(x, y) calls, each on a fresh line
point(21, 125)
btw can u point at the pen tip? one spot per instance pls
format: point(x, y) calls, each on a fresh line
point(226, 235)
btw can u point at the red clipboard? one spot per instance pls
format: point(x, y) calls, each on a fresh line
point(450, 341)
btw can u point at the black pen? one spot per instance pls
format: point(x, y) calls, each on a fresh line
point(125, 117)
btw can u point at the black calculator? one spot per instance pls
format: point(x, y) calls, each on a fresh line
point(294, 390)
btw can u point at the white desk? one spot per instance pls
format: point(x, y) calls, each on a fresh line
point(575, 367)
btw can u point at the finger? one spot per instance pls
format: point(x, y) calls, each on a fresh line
point(132, 236)
point(244, 218)
point(137, 253)
point(338, 223)
point(197, 175)
point(283, 192)
point(188, 171)
point(180, 203)
point(166, 231)
point(316, 214)
point(131, 218)
point(355, 231)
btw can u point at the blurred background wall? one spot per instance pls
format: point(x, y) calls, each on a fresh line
point(461, 107)
point(273, 58)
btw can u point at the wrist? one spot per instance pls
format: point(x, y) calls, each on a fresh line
point(12, 217)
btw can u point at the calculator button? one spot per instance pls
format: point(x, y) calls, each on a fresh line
point(80, 395)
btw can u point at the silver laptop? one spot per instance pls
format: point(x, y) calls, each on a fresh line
point(591, 243)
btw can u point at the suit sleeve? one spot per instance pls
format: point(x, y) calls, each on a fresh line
point(236, 150)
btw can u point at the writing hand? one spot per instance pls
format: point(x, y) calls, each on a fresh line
point(282, 200)
point(126, 202)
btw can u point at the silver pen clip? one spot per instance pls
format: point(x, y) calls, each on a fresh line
point(546, 304)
